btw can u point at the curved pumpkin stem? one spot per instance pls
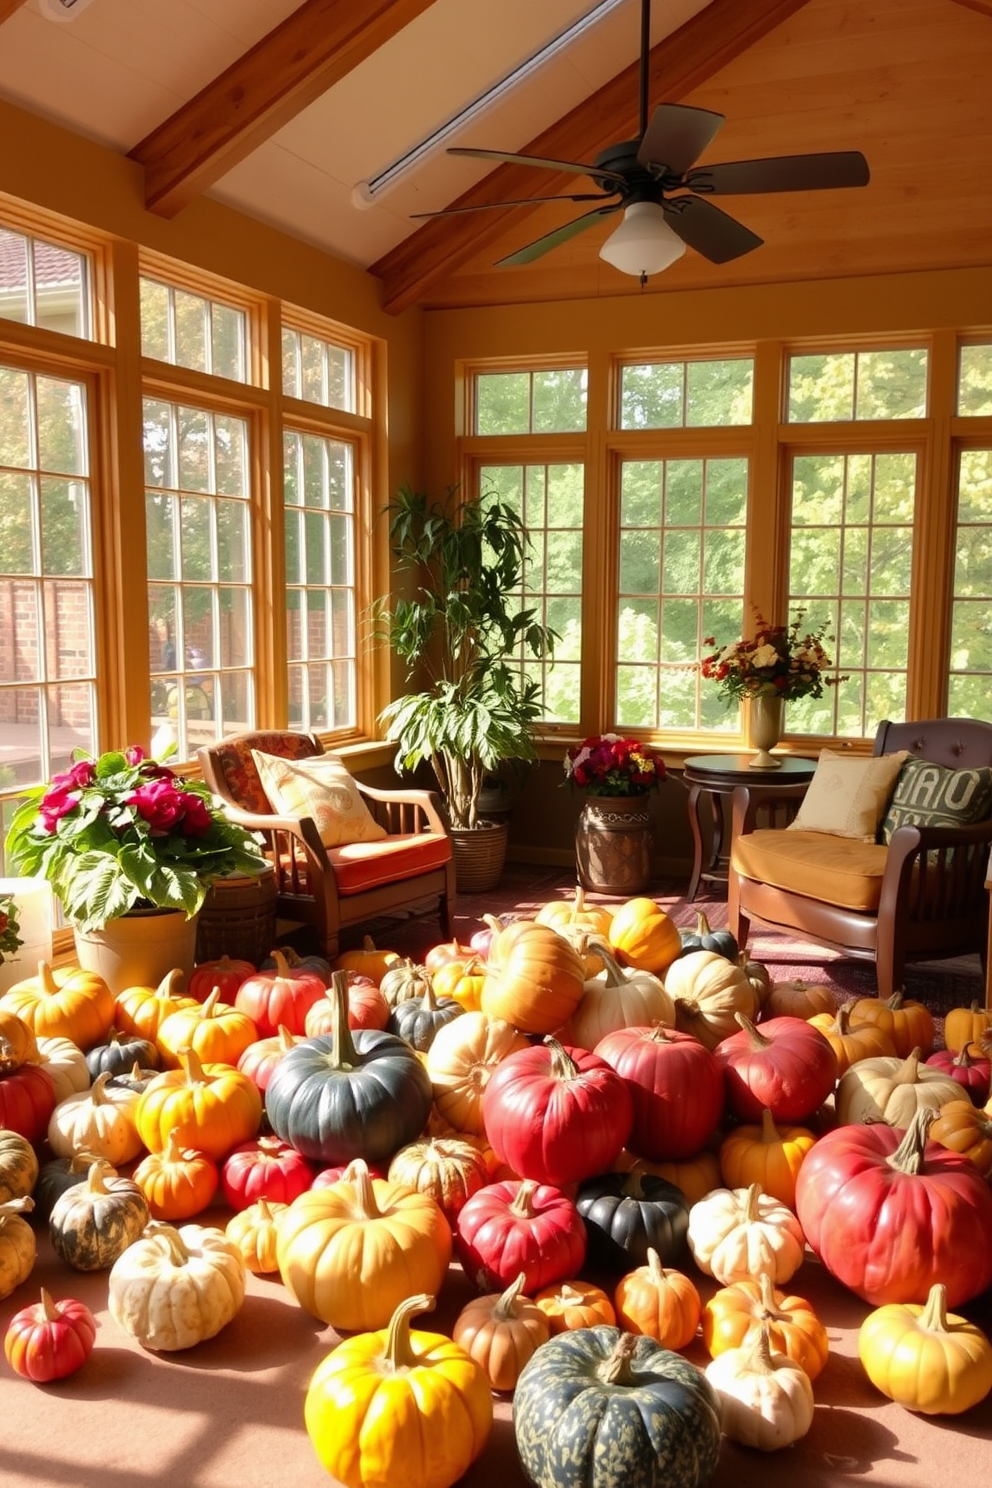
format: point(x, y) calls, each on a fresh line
point(616, 1369)
point(47, 984)
point(522, 1204)
point(172, 983)
point(97, 1092)
point(97, 1174)
point(908, 1072)
point(343, 1055)
point(507, 1307)
point(934, 1314)
point(756, 1039)
point(49, 1311)
point(286, 1039)
point(281, 964)
point(209, 1004)
point(23, 1205)
point(178, 1254)
point(770, 1309)
point(909, 1155)
point(759, 1356)
point(702, 924)
point(769, 1131)
point(399, 1355)
point(563, 1066)
point(192, 1065)
point(173, 1150)
point(615, 976)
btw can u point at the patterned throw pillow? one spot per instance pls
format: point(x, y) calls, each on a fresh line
point(848, 794)
point(319, 787)
point(928, 795)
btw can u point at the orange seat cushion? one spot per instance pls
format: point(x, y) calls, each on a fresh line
point(836, 870)
point(363, 865)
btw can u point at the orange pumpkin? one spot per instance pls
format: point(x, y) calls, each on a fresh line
point(18, 1044)
point(72, 1004)
point(767, 1154)
point(735, 1315)
point(797, 999)
point(643, 935)
point(851, 1043)
point(964, 1026)
point(218, 1032)
point(575, 1304)
point(143, 1010)
point(178, 1182)
point(462, 981)
point(696, 1176)
point(659, 1303)
point(534, 978)
point(367, 961)
point(909, 1024)
point(962, 1128)
point(460, 1062)
point(212, 1108)
point(501, 1331)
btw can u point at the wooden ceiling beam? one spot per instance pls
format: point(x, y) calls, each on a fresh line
point(280, 76)
point(681, 62)
point(9, 8)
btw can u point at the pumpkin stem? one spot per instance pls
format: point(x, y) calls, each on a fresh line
point(262, 1209)
point(98, 1089)
point(280, 963)
point(568, 1293)
point(97, 1174)
point(173, 1152)
point(934, 1314)
point(429, 1002)
point(616, 1369)
point(614, 971)
point(209, 1003)
point(365, 1204)
point(506, 1307)
point(751, 1202)
point(49, 1311)
point(563, 1066)
point(633, 1185)
point(399, 1353)
point(770, 1309)
point(193, 1065)
point(895, 1002)
point(908, 1072)
point(702, 924)
point(171, 983)
point(655, 1267)
point(759, 1357)
point(287, 1040)
point(178, 1254)
point(964, 1059)
point(522, 1204)
point(46, 979)
point(755, 1039)
point(909, 1155)
point(769, 1131)
point(22, 1205)
point(342, 1054)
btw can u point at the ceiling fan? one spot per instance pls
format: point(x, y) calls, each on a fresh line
point(664, 196)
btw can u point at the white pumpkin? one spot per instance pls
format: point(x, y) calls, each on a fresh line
point(766, 1400)
point(708, 992)
point(174, 1288)
point(66, 1063)
point(736, 1234)
point(892, 1090)
point(618, 998)
point(100, 1120)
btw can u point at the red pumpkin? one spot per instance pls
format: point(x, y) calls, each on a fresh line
point(225, 973)
point(327, 1176)
point(890, 1213)
point(786, 1067)
point(49, 1340)
point(971, 1068)
point(280, 998)
point(557, 1115)
point(513, 1227)
point(264, 1169)
point(260, 1058)
point(27, 1100)
point(676, 1085)
point(367, 1008)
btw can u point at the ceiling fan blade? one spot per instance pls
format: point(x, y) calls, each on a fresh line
point(524, 201)
point(550, 240)
point(782, 173)
point(677, 135)
point(507, 157)
point(711, 232)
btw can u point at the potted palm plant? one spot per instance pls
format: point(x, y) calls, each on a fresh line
point(462, 628)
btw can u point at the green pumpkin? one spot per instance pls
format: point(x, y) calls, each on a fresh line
point(705, 939)
point(628, 1214)
point(341, 1095)
point(94, 1222)
point(418, 1021)
point(599, 1408)
point(120, 1054)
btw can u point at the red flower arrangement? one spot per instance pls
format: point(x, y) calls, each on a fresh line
point(779, 661)
point(123, 832)
point(608, 765)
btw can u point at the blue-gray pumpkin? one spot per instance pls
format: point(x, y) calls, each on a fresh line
point(600, 1408)
point(343, 1095)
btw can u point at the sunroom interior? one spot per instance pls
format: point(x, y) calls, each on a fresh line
point(226, 340)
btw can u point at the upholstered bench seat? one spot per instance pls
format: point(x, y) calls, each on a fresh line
point(363, 865)
point(834, 869)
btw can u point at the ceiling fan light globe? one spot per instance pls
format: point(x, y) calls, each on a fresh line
point(644, 243)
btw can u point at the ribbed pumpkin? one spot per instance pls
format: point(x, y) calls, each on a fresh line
point(120, 1054)
point(575, 1304)
point(892, 1090)
point(346, 1095)
point(255, 1232)
point(449, 1170)
point(100, 1120)
point(769, 1155)
point(851, 1043)
point(224, 972)
point(628, 1214)
point(142, 1010)
point(419, 1021)
point(534, 978)
point(766, 1401)
point(70, 1004)
point(260, 1058)
point(178, 1182)
point(94, 1222)
point(961, 1128)
point(212, 1107)
point(18, 1044)
point(645, 936)
point(280, 998)
point(460, 1063)
point(661, 1303)
point(174, 1288)
point(677, 1088)
point(463, 981)
point(399, 1407)
point(599, 1395)
point(352, 1252)
point(708, 991)
point(798, 999)
point(576, 913)
point(925, 1358)
point(50, 1340)
point(368, 960)
point(18, 1247)
point(614, 999)
point(517, 1226)
point(265, 1169)
point(964, 1026)
point(404, 980)
point(500, 1331)
point(785, 1066)
point(65, 1063)
point(55, 1177)
point(216, 1031)
point(27, 1100)
point(737, 1233)
point(970, 1067)
point(18, 1166)
point(733, 1316)
point(909, 1024)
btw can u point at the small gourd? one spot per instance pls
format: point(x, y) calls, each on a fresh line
point(100, 1120)
point(575, 1304)
point(18, 1247)
point(178, 1182)
point(738, 1233)
point(660, 1302)
point(174, 1288)
point(766, 1400)
point(500, 1331)
point(255, 1231)
point(93, 1222)
point(18, 1166)
point(49, 1340)
point(926, 1358)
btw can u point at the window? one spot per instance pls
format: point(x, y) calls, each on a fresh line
point(549, 500)
point(549, 401)
point(682, 395)
point(198, 533)
point(975, 381)
point(43, 284)
point(844, 385)
point(680, 579)
point(319, 482)
point(189, 330)
point(317, 371)
point(970, 682)
point(47, 626)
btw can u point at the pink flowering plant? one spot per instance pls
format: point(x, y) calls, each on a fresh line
point(608, 765)
point(124, 832)
point(780, 660)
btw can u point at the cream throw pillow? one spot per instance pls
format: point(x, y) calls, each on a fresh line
point(319, 787)
point(848, 794)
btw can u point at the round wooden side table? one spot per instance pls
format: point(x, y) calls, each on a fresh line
point(716, 775)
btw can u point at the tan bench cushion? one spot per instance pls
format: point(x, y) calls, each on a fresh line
point(837, 870)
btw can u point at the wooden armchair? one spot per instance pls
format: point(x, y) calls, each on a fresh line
point(921, 897)
point(329, 888)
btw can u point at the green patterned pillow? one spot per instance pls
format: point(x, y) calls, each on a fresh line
point(928, 795)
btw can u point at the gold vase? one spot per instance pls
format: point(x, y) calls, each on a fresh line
point(765, 717)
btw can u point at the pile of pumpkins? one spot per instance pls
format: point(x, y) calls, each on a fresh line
point(585, 1089)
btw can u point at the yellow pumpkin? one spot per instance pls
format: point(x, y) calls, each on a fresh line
point(767, 1154)
point(576, 913)
point(72, 1004)
point(212, 1107)
point(351, 1252)
point(733, 1316)
point(255, 1232)
point(696, 1176)
point(367, 961)
point(926, 1358)
point(964, 1026)
point(709, 991)
point(463, 981)
point(909, 1024)
point(660, 1303)
point(960, 1127)
point(500, 1331)
point(534, 978)
point(400, 1407)
point(643, 935)
point(17, 1042)
point(218, 1032)
point(460, 1062)
point(143, 1010)
point(18, 1247)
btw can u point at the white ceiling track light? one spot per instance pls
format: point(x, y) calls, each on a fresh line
point(62, 10)
point(644, 243)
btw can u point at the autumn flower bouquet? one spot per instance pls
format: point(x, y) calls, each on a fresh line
point(608, 765)
point(124, 832)
point(779, 661)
